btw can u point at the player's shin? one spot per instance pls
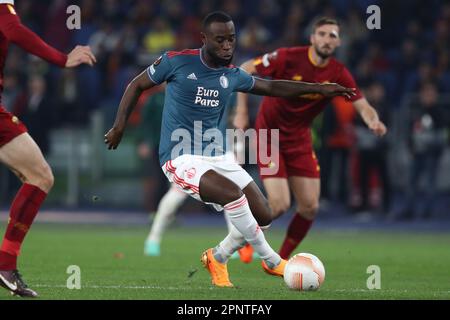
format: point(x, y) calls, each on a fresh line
point(23, 211)
point(232, 242)
point(167, 208)
point(297, 230)
point(241, 217)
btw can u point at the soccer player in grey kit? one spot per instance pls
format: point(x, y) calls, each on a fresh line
point(199, 84)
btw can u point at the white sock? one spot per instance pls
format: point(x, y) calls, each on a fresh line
point(229, 224)
point(232, 242)
point(167, 208)
point(242, 219)
point(232, 228)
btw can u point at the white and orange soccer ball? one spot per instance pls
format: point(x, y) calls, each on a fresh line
point(304, 272)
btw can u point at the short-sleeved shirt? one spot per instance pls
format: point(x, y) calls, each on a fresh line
point(293, 116)
point(196, 96)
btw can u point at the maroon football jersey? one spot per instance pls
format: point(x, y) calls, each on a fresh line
point(293, 116)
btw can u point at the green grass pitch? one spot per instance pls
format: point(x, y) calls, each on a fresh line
point(413, 266)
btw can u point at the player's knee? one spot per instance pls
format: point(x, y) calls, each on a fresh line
point(264, 222)
point(42, 177)
point(47, 178)
point(232, 194)
point(309, 210)
point(265, 219)
point(279, 206)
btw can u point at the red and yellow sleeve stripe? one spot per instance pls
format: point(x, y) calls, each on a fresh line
point(257, 62)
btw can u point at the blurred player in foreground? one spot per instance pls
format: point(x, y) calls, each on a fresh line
point(298, 169)
point(18, 150)
point(199, 84)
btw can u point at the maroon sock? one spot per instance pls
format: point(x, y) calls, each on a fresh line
point(297, 230)
point(23, 210)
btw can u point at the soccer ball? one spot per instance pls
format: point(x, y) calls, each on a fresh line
point(304, 272)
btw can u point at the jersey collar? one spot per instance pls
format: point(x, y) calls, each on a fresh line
point(205, 64)
point(310, 58)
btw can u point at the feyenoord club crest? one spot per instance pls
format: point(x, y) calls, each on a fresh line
point(224, 82)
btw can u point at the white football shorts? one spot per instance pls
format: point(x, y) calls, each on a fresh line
point(186, 170)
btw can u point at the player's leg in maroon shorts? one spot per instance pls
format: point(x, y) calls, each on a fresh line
point(304, 181)
point(272, 171)
point(277, 187)
point(21, 154)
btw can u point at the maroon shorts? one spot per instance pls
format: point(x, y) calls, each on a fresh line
point(291, 163)
point(10, 127)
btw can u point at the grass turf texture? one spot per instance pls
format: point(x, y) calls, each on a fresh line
point(413, 266)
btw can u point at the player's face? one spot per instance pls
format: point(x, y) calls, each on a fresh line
point(220, 41)
point(325, 40)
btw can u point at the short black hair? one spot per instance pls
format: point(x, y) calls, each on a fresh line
point(216, 16)
point(323, 21)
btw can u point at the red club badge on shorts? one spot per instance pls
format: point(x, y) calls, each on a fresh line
point(191, 173)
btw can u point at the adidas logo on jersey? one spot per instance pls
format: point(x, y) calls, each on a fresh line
point(192, 76)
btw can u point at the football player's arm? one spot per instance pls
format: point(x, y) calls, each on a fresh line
point(292, 89)
point(241, 119)
point(17, 33)
point(129, 100)
point(362, 106)
point(370, 117)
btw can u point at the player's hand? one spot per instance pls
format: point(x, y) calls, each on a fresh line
point(241, 121)
point(80, 55)
point(334, 89)
point(377, 127)
point(113, 137)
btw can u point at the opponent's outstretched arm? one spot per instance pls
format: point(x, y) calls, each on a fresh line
point(292, 89)
point(281, 88)
point(131, 96)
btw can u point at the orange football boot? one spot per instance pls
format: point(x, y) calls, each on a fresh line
point(246, 253)
point(277, 271)
point(217, 270)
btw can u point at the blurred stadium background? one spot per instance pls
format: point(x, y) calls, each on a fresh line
point(403, 69)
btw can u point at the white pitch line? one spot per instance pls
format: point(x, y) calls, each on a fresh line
point(211, 288)
point(117, 287)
